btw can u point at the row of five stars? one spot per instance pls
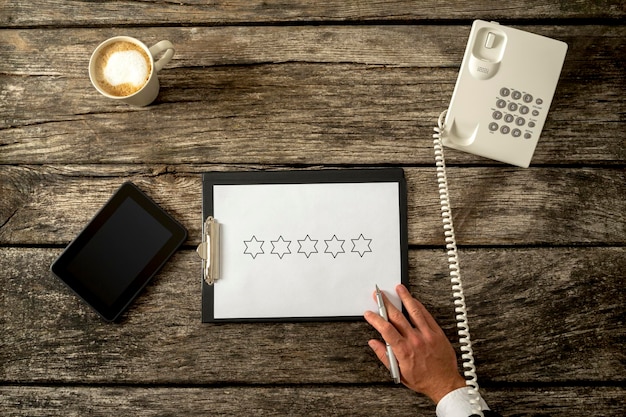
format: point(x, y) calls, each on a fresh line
point(308, 246)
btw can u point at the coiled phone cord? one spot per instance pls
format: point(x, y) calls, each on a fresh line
point(467, 355)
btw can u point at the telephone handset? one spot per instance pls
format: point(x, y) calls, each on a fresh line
point(503, 92)
point(498, 108)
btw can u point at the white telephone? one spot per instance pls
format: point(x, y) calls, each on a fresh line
point(502, 95)
point(498, 108)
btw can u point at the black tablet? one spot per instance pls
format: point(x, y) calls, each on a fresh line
point(119, 251)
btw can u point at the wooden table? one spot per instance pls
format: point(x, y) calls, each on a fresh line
point(271, 86)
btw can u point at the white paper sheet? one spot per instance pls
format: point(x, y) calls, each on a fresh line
point(306, 250)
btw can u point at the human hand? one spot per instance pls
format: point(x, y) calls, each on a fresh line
point(426, 358)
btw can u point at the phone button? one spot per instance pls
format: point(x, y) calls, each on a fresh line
point(504, 92)
point(505, 129)
point(493, 126)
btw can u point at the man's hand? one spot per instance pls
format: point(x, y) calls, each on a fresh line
point(427, 360)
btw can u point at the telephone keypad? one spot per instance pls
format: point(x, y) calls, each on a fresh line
point(513, 108)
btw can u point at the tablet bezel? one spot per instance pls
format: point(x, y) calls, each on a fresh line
point(112, 311)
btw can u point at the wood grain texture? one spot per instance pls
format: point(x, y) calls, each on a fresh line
point(51, 204)
point(70, 13)
point(537, 315)
point(289, 95)
point(293, 401)
point(274, 85)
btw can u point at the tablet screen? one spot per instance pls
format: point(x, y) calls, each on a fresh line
point(119, 251)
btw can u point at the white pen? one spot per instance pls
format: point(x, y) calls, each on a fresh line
point(393, 362)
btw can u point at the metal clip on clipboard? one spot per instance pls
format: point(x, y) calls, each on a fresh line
point(209, 250)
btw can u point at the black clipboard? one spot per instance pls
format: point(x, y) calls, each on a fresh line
point(394, 177)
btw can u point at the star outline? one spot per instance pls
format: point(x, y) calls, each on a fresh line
point(308, 240)
point(281, 239)
point(360, 239)
point(334, 239)
point(260, 247)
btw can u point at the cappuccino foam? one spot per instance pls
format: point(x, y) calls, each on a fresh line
point(122, 68)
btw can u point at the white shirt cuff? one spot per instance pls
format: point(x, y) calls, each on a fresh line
point(457, 404)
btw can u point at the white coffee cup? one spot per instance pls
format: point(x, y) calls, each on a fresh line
point(123, 68)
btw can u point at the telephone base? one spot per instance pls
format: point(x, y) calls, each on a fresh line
point(503, 93)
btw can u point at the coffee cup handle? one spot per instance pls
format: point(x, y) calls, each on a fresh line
point(167, 56)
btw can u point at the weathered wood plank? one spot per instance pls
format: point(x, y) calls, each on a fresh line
point(294, 401)
point(537, 315)
point(66, 52)
point(215, 107)
point(491, 206)
point(64, 13)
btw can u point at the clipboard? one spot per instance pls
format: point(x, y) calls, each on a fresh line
point(305, 245)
